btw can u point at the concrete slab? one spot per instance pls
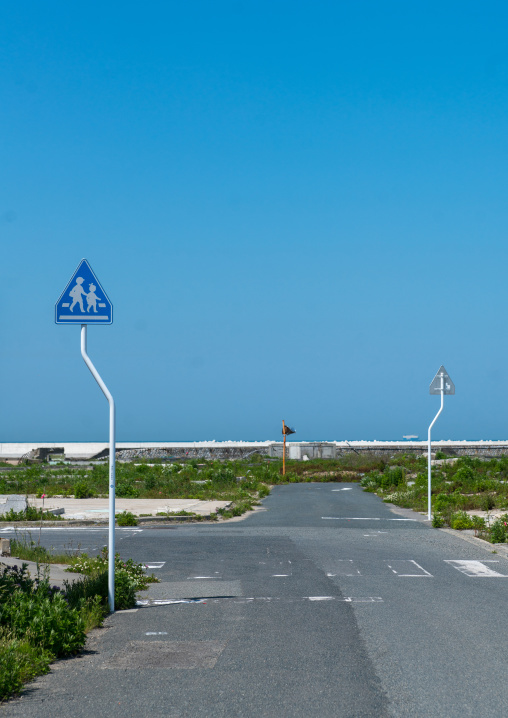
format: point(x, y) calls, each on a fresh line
point(16, 502)
point(57, 573)
point(98, 508)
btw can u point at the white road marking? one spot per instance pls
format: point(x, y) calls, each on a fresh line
point(156, 633)
point(265, 599)
point(280, 575)
point(345, 567)
point(476, 569)
point(160, 564)
point(192, 578)
point(346, 489)
point(360, 518)
point(68, 528)
point(408, 566)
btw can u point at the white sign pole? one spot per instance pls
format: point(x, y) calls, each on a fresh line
point(112, 456)
point(429, 447)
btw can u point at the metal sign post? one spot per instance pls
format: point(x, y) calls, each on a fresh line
point(70, 309)
point(441, 384)
point(286, 430)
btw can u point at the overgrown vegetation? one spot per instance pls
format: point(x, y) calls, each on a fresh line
point(40, 622)
point(458, 486)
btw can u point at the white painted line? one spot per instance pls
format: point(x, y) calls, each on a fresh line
point(280, 575)
point(406, 569)
point(346, 489)
point(346, 567)
point(91, 529)
point(156, 633)
point(192, 578)
point(265, 599)
point(360, 518)
point(160, 564)
point(348, 518)
point(476, 569)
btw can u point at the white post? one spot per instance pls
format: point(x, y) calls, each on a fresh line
point(112, 456)
point(429, 468)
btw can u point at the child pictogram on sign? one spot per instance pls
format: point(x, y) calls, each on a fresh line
point(77, 293)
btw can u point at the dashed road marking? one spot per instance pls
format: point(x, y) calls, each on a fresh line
point(344, 567)
point(408, 569)
point(157, 564)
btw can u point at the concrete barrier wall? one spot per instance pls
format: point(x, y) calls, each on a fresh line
point(241, 449)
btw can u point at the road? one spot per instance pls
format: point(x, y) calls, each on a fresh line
point(326, 604)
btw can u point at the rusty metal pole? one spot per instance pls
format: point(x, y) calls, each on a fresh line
point(284, 449)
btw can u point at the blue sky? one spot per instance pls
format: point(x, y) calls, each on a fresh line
point(297, 209)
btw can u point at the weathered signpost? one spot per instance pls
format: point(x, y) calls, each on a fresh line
point(286, 430)
point(84, 302)
point(441, 384)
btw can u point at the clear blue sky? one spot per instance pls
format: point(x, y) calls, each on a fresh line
point(298, 210)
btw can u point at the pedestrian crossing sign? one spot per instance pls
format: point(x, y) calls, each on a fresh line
point(83, 301)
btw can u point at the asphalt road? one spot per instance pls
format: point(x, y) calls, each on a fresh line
point(326, 604)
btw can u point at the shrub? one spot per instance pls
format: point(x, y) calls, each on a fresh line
point(443, 501)
point(438, 521)
point(34, 609)
point(498, 531)
point(20, 661)
point(93, 566)
point(126, 490)
point(125, 591)
point(83, 491)
point(150, 483)
point(30, 514)
point(488, 502)
point(126, 518)
point(461, 521)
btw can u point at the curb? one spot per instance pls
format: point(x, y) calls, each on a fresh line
point(500, 548)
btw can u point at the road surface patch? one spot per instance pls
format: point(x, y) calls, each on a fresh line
point(167, 654)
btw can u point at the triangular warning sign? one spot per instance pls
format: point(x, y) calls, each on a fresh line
point(83, 301)
point(442, 379)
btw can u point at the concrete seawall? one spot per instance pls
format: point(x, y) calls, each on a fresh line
point(128, 451)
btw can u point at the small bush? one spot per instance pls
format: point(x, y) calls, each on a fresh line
point(126, 518)
point(20, 662)
point(83, 491)
point(438, 521)
point(125, 592)
point(461, 521)
point(497, 532)
point(126, 490)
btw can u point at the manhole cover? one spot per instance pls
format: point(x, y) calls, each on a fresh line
point(168, 654)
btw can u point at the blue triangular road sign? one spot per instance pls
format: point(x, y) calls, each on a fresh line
point(83, 301)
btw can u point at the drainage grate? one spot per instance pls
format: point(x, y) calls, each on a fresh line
point(168, 654)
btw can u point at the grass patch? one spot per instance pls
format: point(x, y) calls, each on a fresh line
point(468, 484)
point(27, 550)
